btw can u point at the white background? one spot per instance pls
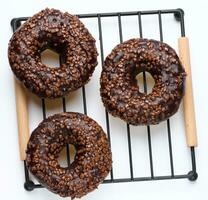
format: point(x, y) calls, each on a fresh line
point(11, 168)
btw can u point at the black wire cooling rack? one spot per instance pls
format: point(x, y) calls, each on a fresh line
point(190, 175)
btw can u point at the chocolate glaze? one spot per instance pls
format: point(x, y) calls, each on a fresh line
point(92, 161)
point(62, 32)
point(120, 93)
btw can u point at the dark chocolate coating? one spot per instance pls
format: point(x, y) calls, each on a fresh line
point(62, 32)
point(120, 93)
point(92, 161)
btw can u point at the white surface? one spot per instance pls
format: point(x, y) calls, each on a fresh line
point(11, 168)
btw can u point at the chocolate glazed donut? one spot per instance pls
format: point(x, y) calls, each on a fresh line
point(92, 161)
point(120, 92)
point(62, 32)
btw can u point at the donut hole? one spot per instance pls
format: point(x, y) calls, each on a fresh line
point(62, 159)
point(143, 77)
point(54, 20)
point(50, 58)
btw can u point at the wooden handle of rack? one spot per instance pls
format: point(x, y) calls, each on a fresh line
point(22, 118)
point(188, 100)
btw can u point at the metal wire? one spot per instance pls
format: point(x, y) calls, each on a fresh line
point(192, 174)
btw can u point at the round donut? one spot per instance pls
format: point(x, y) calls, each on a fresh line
point(63, 33)
point(92, 161)
point(120, 92)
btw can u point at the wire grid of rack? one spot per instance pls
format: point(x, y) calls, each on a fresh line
point(190, 175)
